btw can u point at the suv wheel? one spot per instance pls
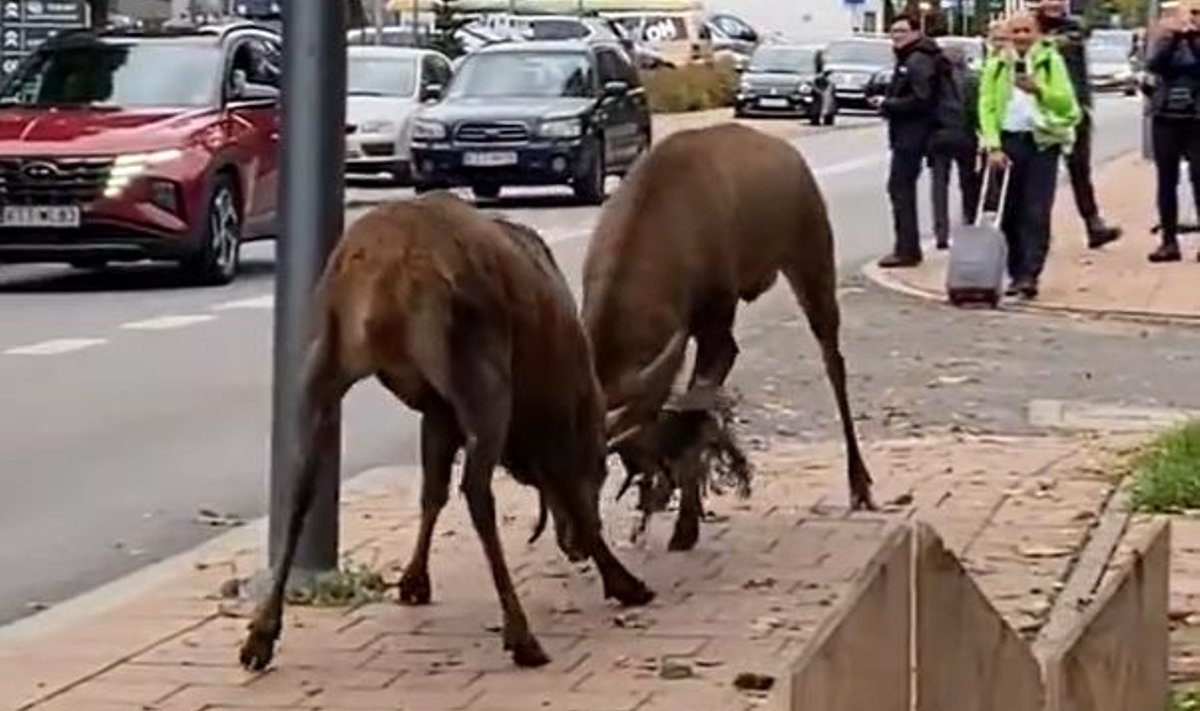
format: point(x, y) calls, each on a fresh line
point(486, 191)
point(216, 261)
point(588, 182)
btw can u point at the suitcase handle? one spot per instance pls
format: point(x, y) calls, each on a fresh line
point(983, 193)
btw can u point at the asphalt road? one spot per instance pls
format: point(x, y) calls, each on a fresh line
point(131, 404)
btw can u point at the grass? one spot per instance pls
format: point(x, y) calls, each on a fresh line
point(352, 585)
point(1166, 474)
point(694, 87)
point(1184, 700)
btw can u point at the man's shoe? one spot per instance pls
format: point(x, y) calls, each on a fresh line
point(894, 261)
point(1165, 253)
point(1100, 234)
point(943, 243)
point(1012, 289)
point(1027, 289)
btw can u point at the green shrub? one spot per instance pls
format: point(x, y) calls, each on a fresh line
point(694, 87)
point(1166, 474)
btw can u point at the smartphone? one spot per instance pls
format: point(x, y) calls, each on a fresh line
point(1021, 68)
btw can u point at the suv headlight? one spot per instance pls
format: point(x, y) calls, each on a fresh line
point(428, 131)
point(804, 87)
point(130, 166)
point(561, 128)
point(378, 126)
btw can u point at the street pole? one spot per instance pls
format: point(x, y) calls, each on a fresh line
point(379, 21)
point(312, 147)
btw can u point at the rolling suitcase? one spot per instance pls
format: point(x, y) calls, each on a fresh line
point(979, 253)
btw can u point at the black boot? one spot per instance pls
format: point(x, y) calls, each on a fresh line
point(1168, 251)
point(1099, 233)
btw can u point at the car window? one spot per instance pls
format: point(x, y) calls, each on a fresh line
point(381, 76)
point(103, 74)
point(627, 71)
point(437, 70)
point(258, 60)
point(525, 74)
point(556, 29)
point(733, 27)
point(608, 66)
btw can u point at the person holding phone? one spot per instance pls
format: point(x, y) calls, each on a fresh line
point(1027, 118)
point(1174, 60)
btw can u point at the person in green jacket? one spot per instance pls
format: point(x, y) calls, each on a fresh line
point(1028, 113)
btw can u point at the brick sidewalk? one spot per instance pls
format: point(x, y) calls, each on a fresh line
point(1114, 280)
point(747, 599)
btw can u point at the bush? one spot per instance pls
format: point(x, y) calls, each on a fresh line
point(694, 87)
point(1167, 473)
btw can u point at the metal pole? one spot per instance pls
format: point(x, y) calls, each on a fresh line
point(379, 21)
point(313, 147)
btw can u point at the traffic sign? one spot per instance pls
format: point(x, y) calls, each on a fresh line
point(25, 24)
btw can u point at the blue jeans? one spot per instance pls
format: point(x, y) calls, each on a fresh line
point(1027, 212)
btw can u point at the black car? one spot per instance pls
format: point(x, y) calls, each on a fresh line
point(788, 80)
point(534, 113)
point(859, 69)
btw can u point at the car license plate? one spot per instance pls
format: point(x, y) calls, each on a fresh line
point(773, 103)
point(41, 216)
point(490, 159)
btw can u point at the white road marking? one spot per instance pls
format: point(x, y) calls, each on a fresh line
point(266, 301)
point(163, 323)
point(851, 166)
point(56, 347)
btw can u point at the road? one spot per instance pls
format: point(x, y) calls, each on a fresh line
point(131, 404)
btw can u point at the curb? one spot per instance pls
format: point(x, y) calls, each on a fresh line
point(872, 272)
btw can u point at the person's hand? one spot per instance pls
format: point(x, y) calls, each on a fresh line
point(997, 159)
point(1025, 83)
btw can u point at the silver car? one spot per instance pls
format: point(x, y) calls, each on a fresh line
point(384, 88)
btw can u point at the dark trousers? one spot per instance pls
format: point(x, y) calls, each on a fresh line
point(902, 189)
point(967, 163)
point(1026, 219)
point(1174, 141)
point(1079, 166)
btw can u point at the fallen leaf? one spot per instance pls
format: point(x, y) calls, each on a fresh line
point(673, 670)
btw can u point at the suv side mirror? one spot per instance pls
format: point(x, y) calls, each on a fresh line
point(255, 93)
point(431, 92)
point(615, 88)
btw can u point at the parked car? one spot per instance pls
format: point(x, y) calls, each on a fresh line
point(1111, 68)
point(858, 68)
point(972, 47)
point(534, 113)
point(148, 146)
point(384, 88)
point(785, 80)
point(732, 33)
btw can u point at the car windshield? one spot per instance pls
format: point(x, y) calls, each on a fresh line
point(1107, 53)
point(857, 52)
point(381, 76)
point(523, 74)
point(117, 75)
point(783, 60)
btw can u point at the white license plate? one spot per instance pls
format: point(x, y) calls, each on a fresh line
point(773, 103)
point(491, 159)
point(41, 216)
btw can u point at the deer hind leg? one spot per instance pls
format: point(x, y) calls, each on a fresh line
point(440, 439)
point(324, 382)
point(482, 400)
point(817, 293)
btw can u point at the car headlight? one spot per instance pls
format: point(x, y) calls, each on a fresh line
point(378, 126)
point(428, 131)
point(129, 166)
point(804, 87)
point(561, 128)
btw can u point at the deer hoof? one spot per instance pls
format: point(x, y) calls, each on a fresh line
point(687, 532)
point(258, 650)
point(527, 653)
point(415, 588)
point(862, 501)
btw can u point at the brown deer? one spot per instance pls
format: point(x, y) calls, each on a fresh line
point(707, 218)
point(468, 320)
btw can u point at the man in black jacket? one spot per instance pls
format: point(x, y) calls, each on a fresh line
point(964, 157)
point(910, 108)
point(1071, 37)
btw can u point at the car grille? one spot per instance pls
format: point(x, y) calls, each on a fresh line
point(491, 133)
point(378, 150)
point(52, 181)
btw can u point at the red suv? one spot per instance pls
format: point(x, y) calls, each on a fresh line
point(125, 147)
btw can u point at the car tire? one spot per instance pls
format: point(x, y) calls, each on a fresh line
point(486, 191)
point(588, 183)
point(739, 112)
point(217, 259)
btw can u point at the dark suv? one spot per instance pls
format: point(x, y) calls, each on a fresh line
point(534, 113)
point(124, 147)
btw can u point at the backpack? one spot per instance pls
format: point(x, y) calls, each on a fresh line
point(953, 126)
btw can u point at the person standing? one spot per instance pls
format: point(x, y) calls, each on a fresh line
point(910, 109)
point(1174, 60)
point(997, 37)
point(962, 154)
point(1071, 38)
point(1028, 114)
